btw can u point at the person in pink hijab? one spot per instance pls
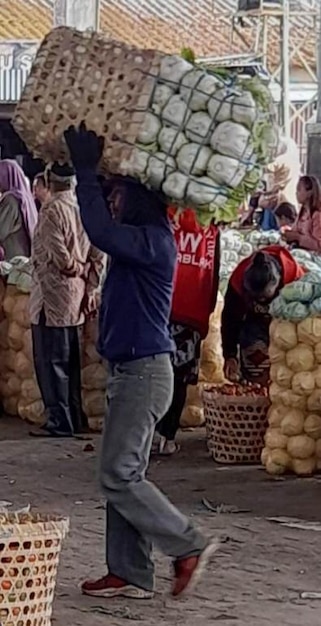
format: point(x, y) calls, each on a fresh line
point(18, 213)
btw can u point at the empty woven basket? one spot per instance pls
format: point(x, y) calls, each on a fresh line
point(235, 427)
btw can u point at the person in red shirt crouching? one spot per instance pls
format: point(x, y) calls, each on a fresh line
point(246, 318)
point(194, 299)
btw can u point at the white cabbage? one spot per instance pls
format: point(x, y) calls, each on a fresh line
point(176, 112)
point(220, 105)
point(171, 140)
point(232, 140)
point(175, 186)
point(193, 159)
point(159, 166)
point(225, 170)
point(246, 249)
point(244, 109)
point(138, 163)
point(161, 96)
point(173, 68)
point(202, 191)
point(149, 130)
point(199, 127)
point(196, 89)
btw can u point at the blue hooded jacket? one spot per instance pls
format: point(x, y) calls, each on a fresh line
point(137, 294)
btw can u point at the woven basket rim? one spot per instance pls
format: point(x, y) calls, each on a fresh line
point(211, 396)
point(30, 524)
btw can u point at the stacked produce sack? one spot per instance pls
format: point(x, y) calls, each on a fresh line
point(293, 438)
point(93, 377)
point(200, 136)
point(18, 387)
point(3, 322)
point(211, 370)
point(19, 391)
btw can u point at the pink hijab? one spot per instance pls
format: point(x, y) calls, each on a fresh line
point(13, 182)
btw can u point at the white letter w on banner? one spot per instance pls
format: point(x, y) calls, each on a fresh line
point(193, 239)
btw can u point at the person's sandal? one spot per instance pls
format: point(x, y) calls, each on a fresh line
point(169, 448)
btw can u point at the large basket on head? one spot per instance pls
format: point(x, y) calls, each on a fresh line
point(235, 427)
point(174, 126)
point(30, 547)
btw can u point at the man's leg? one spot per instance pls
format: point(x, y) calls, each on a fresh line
point(128, 553)
point(78, 416)
point(51, 360)
point(139, 395)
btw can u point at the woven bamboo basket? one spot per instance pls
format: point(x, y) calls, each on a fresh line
point(235, 427)
point(85, 76)
point(30, 546)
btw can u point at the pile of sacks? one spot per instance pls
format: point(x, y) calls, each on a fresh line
point(19, 391)
point(93, 377)
point(211, 370)
point(293, 437)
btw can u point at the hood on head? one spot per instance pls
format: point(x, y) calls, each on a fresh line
point(139, 206)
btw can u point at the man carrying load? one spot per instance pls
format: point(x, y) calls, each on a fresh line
point(135, 340)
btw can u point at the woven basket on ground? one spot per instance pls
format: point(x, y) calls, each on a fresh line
point(235, 427)
point(30, 546)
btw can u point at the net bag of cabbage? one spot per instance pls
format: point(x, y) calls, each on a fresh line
point(30, 546)
point(201, 137)
point(236, 420)
point(293, 437)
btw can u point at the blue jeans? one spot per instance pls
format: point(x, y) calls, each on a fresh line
point(138, 514)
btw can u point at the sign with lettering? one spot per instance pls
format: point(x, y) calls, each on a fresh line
point(195, 248)
point(17, 55)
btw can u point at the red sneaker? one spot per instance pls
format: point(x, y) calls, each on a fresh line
point(112, 587)
point(188, 571)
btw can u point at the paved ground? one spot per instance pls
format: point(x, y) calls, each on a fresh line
point(255, 580)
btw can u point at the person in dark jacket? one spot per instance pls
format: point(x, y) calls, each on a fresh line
point(246, 319)
point(134, 338)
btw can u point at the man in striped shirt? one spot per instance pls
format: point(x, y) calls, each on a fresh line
point(67, 271)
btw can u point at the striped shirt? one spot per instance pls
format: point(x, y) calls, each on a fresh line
point(67, 270)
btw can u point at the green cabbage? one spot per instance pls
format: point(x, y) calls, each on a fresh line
point(298, 292)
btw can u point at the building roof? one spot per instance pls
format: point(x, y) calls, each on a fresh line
point(206, 26)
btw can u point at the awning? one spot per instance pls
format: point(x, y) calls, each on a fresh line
point(11, 84)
